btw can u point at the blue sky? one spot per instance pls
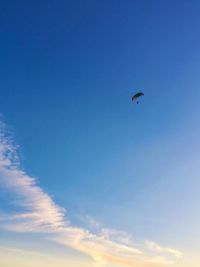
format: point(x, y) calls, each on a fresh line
point(125, 174)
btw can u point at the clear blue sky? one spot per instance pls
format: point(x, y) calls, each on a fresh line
point(68, 70)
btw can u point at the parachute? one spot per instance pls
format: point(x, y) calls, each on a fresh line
point(136, 96)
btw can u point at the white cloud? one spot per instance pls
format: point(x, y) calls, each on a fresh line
point(157, 248)
point(39, 213)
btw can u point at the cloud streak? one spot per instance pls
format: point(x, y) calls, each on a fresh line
point(157, 248)
point(39, 213)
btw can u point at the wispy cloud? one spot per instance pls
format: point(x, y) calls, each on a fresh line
point(157, 248)
point(21, 251)
point(39, 213)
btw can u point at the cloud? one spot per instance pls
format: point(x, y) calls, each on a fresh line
point(91, 222)
point(39, 213)
point(21, 251)
point(157, 248)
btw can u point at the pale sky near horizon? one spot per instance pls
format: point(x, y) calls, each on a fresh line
point(87, 177)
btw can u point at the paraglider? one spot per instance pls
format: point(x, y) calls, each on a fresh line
point(136, 96)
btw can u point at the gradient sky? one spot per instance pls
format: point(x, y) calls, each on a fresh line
point(87, 178)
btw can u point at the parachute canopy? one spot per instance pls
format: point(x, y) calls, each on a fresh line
point(136, 96)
